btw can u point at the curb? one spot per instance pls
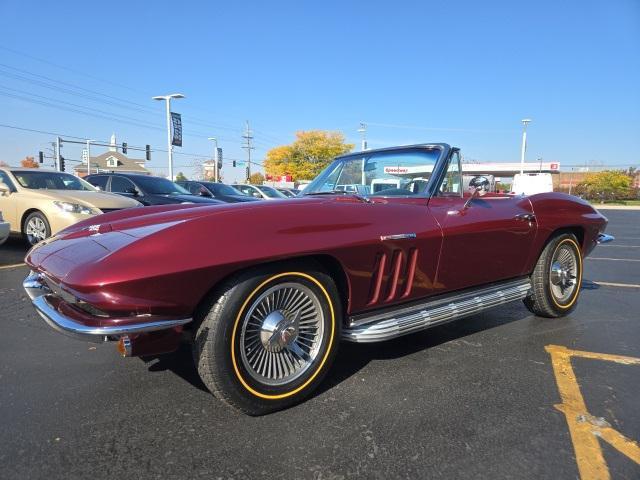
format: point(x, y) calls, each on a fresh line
point(616, 207)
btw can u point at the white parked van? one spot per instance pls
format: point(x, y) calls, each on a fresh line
point(532, 183)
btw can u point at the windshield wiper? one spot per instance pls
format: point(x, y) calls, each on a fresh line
point(340, 192)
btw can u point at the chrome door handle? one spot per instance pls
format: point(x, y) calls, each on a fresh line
point(526, 217)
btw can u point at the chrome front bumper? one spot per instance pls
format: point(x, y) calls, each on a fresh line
point(604, 238)
point(41, 296)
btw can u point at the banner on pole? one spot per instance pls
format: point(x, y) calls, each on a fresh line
point(176, 122)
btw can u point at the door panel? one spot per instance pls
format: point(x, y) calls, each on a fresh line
point(485, 242)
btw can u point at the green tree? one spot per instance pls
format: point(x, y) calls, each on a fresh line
point(307, 156)
point(606, 185)
point(181, 177)
point(256, 178)
point(29, 162)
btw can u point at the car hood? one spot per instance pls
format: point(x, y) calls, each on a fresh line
point(86, 197)
point(84, 245)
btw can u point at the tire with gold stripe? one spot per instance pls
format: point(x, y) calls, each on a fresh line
point(269, 336)
point(556, 278)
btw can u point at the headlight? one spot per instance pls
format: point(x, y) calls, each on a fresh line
point(69, 207)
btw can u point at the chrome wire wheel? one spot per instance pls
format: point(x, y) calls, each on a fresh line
point(281, 334)
point(563, 273)
point(36, 230)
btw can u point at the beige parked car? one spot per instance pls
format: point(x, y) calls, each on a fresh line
point(39, 203)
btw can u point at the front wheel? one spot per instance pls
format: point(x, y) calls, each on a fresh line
point(269, 337)
point(556, 278)
point(36, 228)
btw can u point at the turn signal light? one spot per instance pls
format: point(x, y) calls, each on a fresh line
point(124, 346)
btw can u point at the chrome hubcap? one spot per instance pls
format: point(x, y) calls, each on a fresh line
point(36, 230)
point(281, 333)
point(563, 273)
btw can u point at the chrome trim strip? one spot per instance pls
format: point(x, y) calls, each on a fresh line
point(399, 236)
point(38, 291)
point(385, 326)
point(605, 238)
point(68, 326)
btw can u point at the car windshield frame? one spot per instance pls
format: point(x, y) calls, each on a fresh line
point(319, 185)
point(145, 182)
point(46, 177)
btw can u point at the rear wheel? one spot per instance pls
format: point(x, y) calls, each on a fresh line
point(556, 279)
point(269, 337)
point(36, 228)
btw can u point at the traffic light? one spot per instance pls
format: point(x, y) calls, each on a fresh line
point(234, 163)
point(124, 148)
point(61, 163)
point(40, 157)
point(148, 152)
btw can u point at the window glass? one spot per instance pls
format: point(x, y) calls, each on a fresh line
point(271, 192)
point(221, 189)
point(121, 185)
point(50, 181)
point(245, 189)
point(4, 178)
point(451, 185)
point(160, 186)
point(99, 181)
point(403, 172)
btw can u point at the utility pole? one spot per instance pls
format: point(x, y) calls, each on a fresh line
point(248, 136)
point(57, 153)
point(89, 157)
point(363, 132)
point(525, 121)
point(215, 158)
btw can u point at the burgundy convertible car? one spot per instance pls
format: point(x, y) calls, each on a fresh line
point(383, 243)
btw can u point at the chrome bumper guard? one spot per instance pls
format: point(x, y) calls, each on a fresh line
point(604, 238)
point(39, 293)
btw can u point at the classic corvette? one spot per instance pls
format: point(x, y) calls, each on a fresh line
point(383, 243)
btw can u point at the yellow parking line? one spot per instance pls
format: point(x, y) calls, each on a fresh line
point(622, 285)
point(15, 265)
point(584, 428)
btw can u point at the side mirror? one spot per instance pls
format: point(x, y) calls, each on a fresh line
point(256, 194)
point(132, 191)
point(4, 188)
point(97, 188)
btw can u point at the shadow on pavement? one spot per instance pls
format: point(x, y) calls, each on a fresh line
point(352, 357)
point(13, 251)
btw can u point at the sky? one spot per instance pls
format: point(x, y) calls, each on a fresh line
point(460, 71)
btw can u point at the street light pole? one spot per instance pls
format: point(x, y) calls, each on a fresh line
point(363, 132)
point(167, 99)
point(215, 158)
point(525, 121)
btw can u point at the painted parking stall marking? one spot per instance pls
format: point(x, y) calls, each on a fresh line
point(584, 428)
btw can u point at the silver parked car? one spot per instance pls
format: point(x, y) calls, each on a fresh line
point(260, 191)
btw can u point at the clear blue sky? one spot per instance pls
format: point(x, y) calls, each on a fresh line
point(465, 72)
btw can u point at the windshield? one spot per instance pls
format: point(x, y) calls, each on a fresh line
point(160, 186)
point(51, 181)
point(271, 192)
point(222, 189)
point(403, 172)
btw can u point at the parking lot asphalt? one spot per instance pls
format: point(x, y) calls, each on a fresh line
point(476, 398)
